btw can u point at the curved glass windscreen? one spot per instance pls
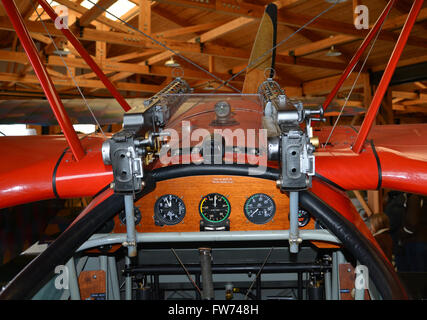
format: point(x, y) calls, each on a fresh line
point(210, 111)
point(210, 127)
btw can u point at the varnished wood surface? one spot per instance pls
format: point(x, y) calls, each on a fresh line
point(91, 283)
point(192, 189)
point(347, 277)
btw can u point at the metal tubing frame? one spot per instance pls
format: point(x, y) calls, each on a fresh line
point(45, 80)
point(86, 56)
point(103, 265)
point(206, 271)
point(242, 268)
point(128, 281)
point(293, 221)
point(73, 283)
point(335, 294)
point(154, 237)
point(115, 288)
point(386, 78)
point(328, 285)
point(130, 225)
point(358, 54)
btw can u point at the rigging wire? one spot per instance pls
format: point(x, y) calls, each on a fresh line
point(167, 48)
point(259, 272)
point(186, 271)
point(354, 84)
point(68, 69)
point(223, 83)
point(279, 44)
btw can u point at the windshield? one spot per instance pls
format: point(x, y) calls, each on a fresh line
point(218, 111)
point(210, 123)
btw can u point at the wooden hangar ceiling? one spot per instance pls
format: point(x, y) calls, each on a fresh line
point(216, 35)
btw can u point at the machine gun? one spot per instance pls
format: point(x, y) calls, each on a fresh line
point(290, 145)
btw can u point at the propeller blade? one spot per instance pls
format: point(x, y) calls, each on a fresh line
point(260, 60)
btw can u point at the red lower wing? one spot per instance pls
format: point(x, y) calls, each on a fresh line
point(34, 168)
point(394, 157)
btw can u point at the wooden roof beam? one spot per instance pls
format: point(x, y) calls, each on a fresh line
point(80, 10)
point(144, 17)
point(404, 6)
point(409, 109)
point(420, 85)
point(133, 55)
point(286, 3)
point(404, 94)
point(180, 31)
point(312, 36)
point(95, 12)
point(402, 62)
point(83, 83)
point(293, 19)
point(207, 36)
point(132, 13)
point(320, 45)
point(188, 30)
point(21, 58)
point(224, 29)
point(178, 46)
point(325, 85)
point(338, 39)
point(348, 29)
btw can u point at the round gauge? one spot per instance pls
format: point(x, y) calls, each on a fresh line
point(136, 214)
point(259, 208)
point(214, 207)
point(303, 218)
point(222, 109)
point(169, 209)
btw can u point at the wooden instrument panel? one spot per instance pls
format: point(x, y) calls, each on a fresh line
point(191, 190)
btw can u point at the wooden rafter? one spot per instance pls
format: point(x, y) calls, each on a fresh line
point(209, 42)
point(289, 18)
point(20, 57)
point(76, 7)
point(144, 17)
point(95, 12)
point(224, 29)
point(84, 83)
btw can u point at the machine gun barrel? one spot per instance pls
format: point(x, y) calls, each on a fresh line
point(165, 102)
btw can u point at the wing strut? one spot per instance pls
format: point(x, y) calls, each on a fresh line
point(386, 78)
point(375, 29)
point(85, 55)
point(45, 80)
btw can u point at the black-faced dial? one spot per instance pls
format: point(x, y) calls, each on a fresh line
point(136, 214)
point(214, 207)
point(169, 209)
point(303, 218)
point(259, 208)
